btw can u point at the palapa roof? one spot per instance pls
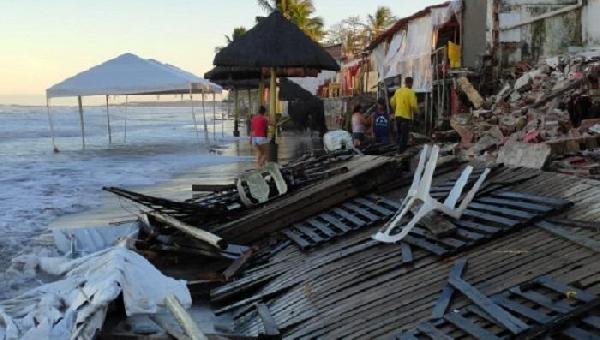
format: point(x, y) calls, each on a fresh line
point(129, 74)
point(276, 42)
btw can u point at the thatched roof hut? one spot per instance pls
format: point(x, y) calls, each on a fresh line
point(276, 42)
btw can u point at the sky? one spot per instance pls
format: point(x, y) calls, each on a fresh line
point(43, 42)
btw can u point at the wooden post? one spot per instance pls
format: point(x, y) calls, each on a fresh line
point(261, 90)
point(273, 150)
point(108, 122)
point(51, 123)
point(236, 122)
point(194, 232)
point(81, 122)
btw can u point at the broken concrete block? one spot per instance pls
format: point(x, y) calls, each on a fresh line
point(515, 154)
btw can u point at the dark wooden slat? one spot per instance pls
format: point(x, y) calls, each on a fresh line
point(515, 204)
point(558, 306)
point(492, 218)
point(477, 227)
point(444, 300)
point(569, 235)
point(292, 235)
point(335, 222)
point(322, 227)
point(529, 197)
point(407, 256)
point(407, 335)
point(469, 234)
point(578, 333)
point(560, 287)
point(510, 322)
point(269, 324)
point(469, 327)
point(388, 202)
point(310, 233)
point(521, 309)
point(512, 213)
point(351, 218)
point(360, 211)
point(373, 206)
point(424, 244)
point(433, 332)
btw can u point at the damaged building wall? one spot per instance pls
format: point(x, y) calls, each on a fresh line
point(591, 25)
point(473, 33)
point(532, 29)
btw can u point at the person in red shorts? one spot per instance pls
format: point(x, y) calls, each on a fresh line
point(259, 126)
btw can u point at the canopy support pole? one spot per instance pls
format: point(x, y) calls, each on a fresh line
point(108, 122)
point(81, 122)
point(236, 112)
point(126, 112)
point(214, 98)
point(194, 114)
point(228, 112)
point(250, 112)
point(51, 123)
point(204, 117)
point(273, 116)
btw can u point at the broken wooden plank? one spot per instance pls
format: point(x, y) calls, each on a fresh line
point(197, 233)
point(510, 322)
point(521, 309)
point(469, 327)
point(212, 187)
point(432, 331)
point(444, 300)
point(268, 322)
point(542, 300)
point(322, 227)
point(294, 236)
point(570, 235)
point(311, 234)
point(348, 216)
point(335, 222)
point(437, 224)
point(374, 206)
point(184, 318)
point(360, 211)
point(235, 267)
point(566, 290)
point(407, 256)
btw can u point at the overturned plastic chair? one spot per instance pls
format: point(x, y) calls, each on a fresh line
point(256, 183)
point(418, 193)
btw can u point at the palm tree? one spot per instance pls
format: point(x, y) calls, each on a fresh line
point(380, 21)
point(300, 12)
point(237, 33)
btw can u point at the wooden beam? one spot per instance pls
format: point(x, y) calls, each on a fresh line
point(197, 233)
point(184, 318)
point(570, 235)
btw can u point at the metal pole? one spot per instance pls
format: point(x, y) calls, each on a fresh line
point(51, 123)
point(81, 123)
point(250, 109)
point(204, 117)
point(261, 90)
point(108, 122)
point(222, 118)
point(126, 112)
point(193, 113)
point(214, 116)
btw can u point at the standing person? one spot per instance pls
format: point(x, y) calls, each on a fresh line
point(404, 103)
point(259, 126)
point(380, 123)
point(358, 126)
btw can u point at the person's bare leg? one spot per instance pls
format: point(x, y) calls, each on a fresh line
point(258, 156)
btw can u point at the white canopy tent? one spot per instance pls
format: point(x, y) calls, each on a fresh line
point(126, 75)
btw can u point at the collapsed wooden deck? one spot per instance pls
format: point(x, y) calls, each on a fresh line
point(354, 287)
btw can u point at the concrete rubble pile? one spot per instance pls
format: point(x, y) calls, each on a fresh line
point(549, 112)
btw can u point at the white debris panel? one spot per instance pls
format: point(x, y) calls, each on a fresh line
point(76, 305)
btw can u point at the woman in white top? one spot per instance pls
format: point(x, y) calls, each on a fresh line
point(358, 126)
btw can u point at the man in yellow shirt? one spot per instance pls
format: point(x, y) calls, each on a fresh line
point(404, 103)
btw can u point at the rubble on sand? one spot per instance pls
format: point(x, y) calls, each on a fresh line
point(554, 103)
